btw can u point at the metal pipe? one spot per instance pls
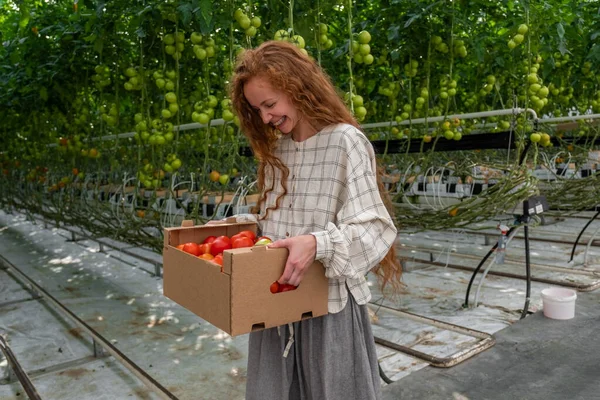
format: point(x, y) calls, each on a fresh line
point(482, 114)
point(570, 118)
point(18, 370)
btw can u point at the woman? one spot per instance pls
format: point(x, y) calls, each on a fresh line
point(321, 201)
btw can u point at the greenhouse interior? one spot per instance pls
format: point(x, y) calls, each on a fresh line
point(121, 150)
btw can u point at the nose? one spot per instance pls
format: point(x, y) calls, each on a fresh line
point(266, 117)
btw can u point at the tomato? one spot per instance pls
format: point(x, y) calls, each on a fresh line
point(286, 287)
point(235, 237)
point(263, 241)
point(214, 176)
point(220, 244)
point(277, 287)
point(248, 234)
point(192, 248)
point(242, 241)
point(274, 287)
point(218, 259)
point(206, 256)
point(205, 248)
point(180, 247)
point(209, 239)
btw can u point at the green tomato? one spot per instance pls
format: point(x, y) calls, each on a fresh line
point(196, 37)
point(176, 164)
point(522, 29)
point(256, 22)
point(224, 179)
point(299, 41)
point(169, 39)
point(357, 101)
point(281, 34)
point(245, 22)
point(171, 97)
point(203, 119)
point(360, 112)
point(364, 37)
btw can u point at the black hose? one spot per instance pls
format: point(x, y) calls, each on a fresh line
point(581, 233)
point(489, 253)
point(527, 270)
point(384, 376)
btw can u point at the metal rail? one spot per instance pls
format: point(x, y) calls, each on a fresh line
point(18, 371)
point(142, 375)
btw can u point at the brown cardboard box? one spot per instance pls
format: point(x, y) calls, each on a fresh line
point(237, 298)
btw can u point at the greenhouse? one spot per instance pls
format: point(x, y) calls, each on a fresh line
point(136, 243)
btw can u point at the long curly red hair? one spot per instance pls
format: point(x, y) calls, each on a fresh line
point(313, 94)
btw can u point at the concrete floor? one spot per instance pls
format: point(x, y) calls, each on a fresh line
point(536, 358)
point(117, 295)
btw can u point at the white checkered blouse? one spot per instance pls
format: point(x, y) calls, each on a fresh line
point(333, 195)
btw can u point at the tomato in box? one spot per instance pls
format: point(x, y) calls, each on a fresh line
point(220, 244)
point(191, 248)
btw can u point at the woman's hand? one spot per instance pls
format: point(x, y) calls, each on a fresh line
point(302, 251)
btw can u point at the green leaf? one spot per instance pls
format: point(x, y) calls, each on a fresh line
point(185, 12)
point(90, 38)
point(98, 45)
point(44, 93)
point(560, 29)
point(204, 16)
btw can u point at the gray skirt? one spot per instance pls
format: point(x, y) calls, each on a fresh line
point(331, 358)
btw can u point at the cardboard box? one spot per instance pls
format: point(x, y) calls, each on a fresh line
point(236, 297)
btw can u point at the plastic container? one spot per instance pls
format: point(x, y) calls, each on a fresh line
point(559, 303)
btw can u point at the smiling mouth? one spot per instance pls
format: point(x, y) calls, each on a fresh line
point(281, 121)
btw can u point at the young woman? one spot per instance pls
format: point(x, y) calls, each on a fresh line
point(321, 200)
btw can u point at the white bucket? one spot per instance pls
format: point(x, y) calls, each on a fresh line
point(559, 303)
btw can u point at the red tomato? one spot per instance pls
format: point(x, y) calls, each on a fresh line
point(206, 256)
point(209, 239)
point(242, 241)
point(205, 248)
point(235, 237)
point(191, 248)
point(286, 287)
point(220, 244)
point(218, 259)
point(248, 234)
point(274, 287)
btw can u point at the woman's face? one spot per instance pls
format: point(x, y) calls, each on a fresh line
point(274, 107)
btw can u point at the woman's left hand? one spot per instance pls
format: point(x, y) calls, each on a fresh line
point(302, 250)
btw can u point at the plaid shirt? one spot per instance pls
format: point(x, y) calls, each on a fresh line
point(333, 195)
